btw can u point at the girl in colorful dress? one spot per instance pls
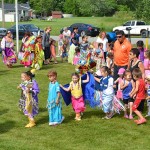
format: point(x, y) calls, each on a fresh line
point(53, 50)
point(60, 44)
point(76, 56)
point(127, 86)
point(8, 53)
point(106, 88)
point(28, 55)
point(119, 81)
point(53, 102)
point(147, 63)
point(38, 54)
point(28, 102)
point(139, 95)
point(140, 47)
point(76, 94)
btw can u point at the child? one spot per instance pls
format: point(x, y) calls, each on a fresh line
point(76, 56)
point(53, 50)
point(54, 104)
point(139, 90)
point(109, 62)
point(60, 44)
point(64, 53)
point(106, 87)
point(84, 45)
point(28, 102)
point(99, 56)
point(148, 95)
point(140, 47)
point(127, 86)
point(76, 94)
point(119, 81)
point(147, 63)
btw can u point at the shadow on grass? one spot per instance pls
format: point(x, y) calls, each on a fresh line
point(4, 111)
point(6, 126)
point(42, 110)
point(3, 72)
point(18, 66)
point(42, 120)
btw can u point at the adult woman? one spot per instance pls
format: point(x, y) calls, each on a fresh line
point(66, 35)
point(46, 45)
point(8, 53)
point(135, 62)
point(38, 54)
point(102, 39)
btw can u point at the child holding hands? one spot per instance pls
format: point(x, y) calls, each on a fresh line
point(54, 104)
point(76, 94)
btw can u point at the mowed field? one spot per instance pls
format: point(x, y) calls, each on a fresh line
point(92, 133)
point(105, 23)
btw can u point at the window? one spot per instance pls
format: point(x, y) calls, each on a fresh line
point(140, 23)
point(127, 23)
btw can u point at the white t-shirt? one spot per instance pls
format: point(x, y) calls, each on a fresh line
point(68, 33)
point(110, 89)
point(104, 41)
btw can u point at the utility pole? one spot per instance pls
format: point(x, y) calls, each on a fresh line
point(3, 14)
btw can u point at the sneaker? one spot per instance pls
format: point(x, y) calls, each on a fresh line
point(78, 118)
point(126, 116)
point(130, 117)
point(141, 121)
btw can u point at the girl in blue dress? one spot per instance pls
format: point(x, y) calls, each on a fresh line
point(53, 102)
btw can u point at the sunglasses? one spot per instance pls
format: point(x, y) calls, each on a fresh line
point(119, 37)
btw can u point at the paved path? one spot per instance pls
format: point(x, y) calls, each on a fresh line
point(91, 39)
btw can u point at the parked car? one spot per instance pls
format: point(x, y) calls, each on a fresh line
point(2, 32)
point(136, 27)
point(24, 28)
point(84, 29)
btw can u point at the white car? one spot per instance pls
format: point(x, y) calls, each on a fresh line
point(136, 27)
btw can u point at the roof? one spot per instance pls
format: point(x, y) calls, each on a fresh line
point(57, 12)
point(12, 6)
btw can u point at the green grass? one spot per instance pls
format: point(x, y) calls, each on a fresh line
point(92, 133)
point(105, 23)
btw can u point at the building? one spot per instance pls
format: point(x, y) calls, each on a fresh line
point(9, 11)
point(57, 14)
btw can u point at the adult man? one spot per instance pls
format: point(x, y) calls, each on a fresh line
point(121, 48)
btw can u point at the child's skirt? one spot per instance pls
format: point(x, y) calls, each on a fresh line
point(119, 94)
point(78, 104)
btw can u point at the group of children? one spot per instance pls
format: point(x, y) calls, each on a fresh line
point(131, 88)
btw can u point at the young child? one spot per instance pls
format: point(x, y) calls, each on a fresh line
point(84, 45)
point(148, 95)
point(147, 63)
point(76, 94)
point(127, 86)
point(140, 46)
point(76, 56)
point(60, 44)
point(53, 50)
point(106, 87)
point(64, 51)
point(28, 102)
point(119, 81)
point(99, 56)
point(109, 60)
point(54, 104)
point(139, 94)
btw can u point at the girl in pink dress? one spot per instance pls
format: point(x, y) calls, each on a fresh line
point(53, 50)
point(76, 56)
point(76, 94)
point(147, 63)
point(119, 81)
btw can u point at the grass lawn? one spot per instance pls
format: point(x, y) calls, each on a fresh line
point(92, 133)
point(105, 23)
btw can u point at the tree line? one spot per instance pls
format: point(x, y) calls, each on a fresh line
point(100, 8)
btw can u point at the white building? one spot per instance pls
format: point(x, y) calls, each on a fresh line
point(9, 11)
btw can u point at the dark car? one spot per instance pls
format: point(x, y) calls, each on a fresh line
point(2, 32)
point(84, 29)
point(25, 28)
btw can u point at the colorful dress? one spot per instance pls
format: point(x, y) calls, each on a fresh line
point(76, 58)
point(77, 97)
point(8, 53)
point(28, 51)
point(106, 87)
point(28, 102)
point(71, 53)
point(38, 57)
point(119, 91)
point(55, 110)
point(146, 67)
